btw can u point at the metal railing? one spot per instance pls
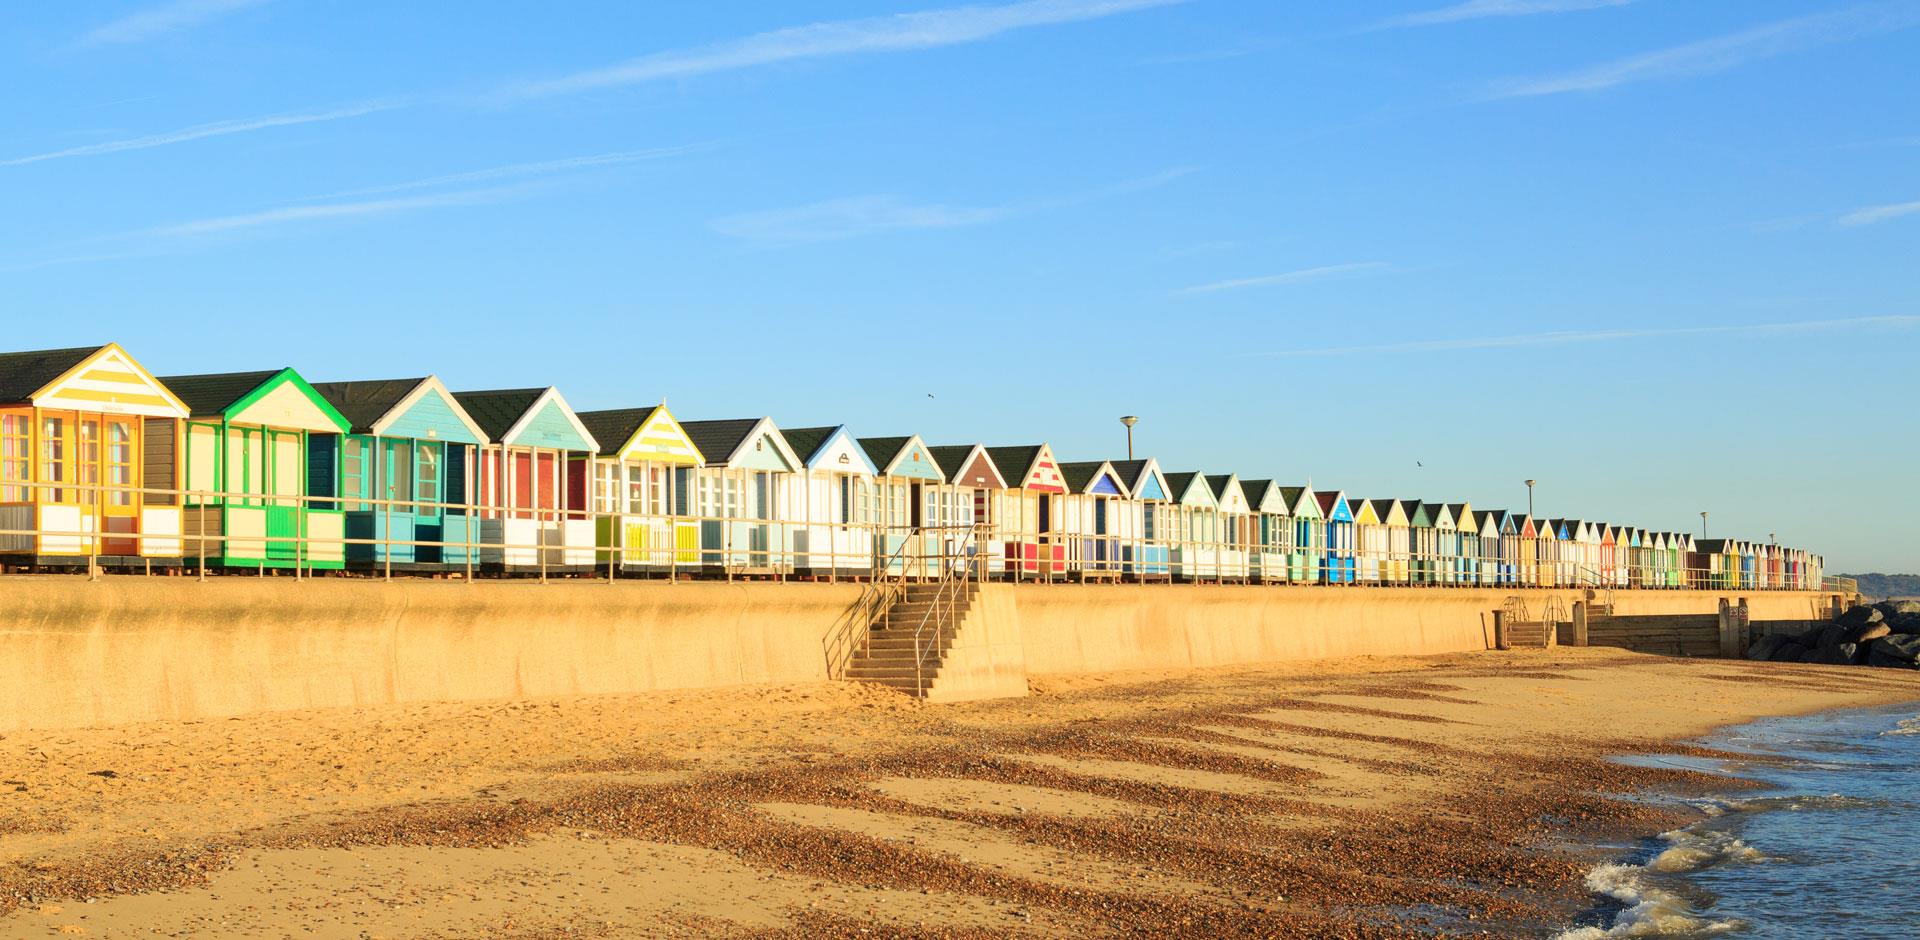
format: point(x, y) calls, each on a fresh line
point(384, 536)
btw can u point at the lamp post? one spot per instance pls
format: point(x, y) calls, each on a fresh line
point(1530, 497)
point(1130, 421)
point(1703, 523)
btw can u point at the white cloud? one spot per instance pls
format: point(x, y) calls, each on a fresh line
point(161, 20)
point(897, 33)
point(541, 168)
point(1572, 337)
point(847, 218)
point(1873, 214)
point(286, 214)
point(1725, 52)
point(1482, 9)
point(1292, 277)
point(202, 131)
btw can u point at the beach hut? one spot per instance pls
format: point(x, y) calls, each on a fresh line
point(1196, 530)
point(736, 494)
point(1236, 525)
point(1517, 550)
point(1607, 552)
point(939, 517)
point(1309, 538)
point(1146, 556)
point(1271, 548)
point(1633, 555)
point(975, 481)
point(1465, 568)
point(638, 504)
point(1092, 524)
point(403, 472)
point(1369, 539)
point(832, 506)
point(529, 519)
point(1031, 522)
point(82, 432)
point(1424, 523)
point(1341, 558)
point(249, 436)
point(1492, 565)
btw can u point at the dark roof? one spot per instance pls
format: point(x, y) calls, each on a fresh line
point(1456, 509)
point(882, 450)
point(719, 439)
point(1129, 470)
point(1177, 484)
point(363, 403)
point(614, 427)
point(1712, 545)
point(497, 411)
point(1014, 462)
point(23, 373)
point(1292, 495)
point(214, 393)
point(1256, 491)
point(1080, 473)
point(807, 441)
point(1218, 483)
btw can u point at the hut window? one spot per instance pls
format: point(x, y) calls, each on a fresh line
point(55, 460)
point(120, 450)
point(203, 458)
point(426, 480)
point(16, 456)
point(87, 466)
point(606, 486)
point(353, 471)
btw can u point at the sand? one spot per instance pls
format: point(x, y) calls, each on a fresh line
point(1362, 798)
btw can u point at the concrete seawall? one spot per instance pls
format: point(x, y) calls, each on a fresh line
point(129, 649)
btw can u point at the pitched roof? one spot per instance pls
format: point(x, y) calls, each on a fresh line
point(23, 373)
point(1256, 491)
point(807, 441)
point(880, 450)
point(1128, 470)
point(950, 457)
point(498, 410)
point(215, 392)
point(362, 403)
point(719, 439)
point(1017, 459)
point(613, 428)
point(1218, 482)
point(1177, 483)
point(1080, 473)
point(1292, 495)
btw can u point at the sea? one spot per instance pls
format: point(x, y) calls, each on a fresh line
point(1830, 848)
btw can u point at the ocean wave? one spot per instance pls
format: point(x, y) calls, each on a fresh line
point(1695, 849)
point(1649, 911)
point(1906, 726)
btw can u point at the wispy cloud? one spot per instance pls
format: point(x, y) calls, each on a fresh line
point(338, 210)
point(524, 170)
point(1725, 52)
point(1301, 276)
point(897, 33)
point(203, 131)
point(1573, 337)
point(1483, 9)
point(161, 20)
point(835, 219)
point(1873, 214)
point(846, 218)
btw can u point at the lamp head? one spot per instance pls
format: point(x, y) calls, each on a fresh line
point(1130, 420)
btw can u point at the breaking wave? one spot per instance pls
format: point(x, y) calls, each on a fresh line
point(1648, 911)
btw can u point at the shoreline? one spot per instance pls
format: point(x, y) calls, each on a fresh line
point(1355, 798)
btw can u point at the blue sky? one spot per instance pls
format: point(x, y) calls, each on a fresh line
point(1659, 255)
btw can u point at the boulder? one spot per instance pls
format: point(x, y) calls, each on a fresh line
point(1838, 655)
point(1834, 634)
point(1906, 623)
point(1877, 658)
point(1898, 645)
point(1866, 634)
point(1763, 648)
point(1788, 653)
point(1894, 609)
point(1861, 616)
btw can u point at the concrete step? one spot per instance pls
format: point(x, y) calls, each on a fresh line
point(862, 671)
point(907, 642)
point(909, 686)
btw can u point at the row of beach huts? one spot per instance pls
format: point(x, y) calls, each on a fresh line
point(104, 464)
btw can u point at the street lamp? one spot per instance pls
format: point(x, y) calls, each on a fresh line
point(1130, 421)
point(1530, 497)
point(1703, 523)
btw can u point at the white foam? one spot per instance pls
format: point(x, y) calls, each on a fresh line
point(1906, 726)
point(1694, 849)
point(1649, 911)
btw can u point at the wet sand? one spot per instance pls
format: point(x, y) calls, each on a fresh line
point(1366, 798)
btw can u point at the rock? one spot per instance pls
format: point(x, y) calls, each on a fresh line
point(1763, 648)
point(1788, 653)
point(1838, 655)
point(1906, 623)
point(1899, 645)
point(1834, 634)
point(1894, 609)
point(1877, 658)
point(1860, 616)
point(1866, 634)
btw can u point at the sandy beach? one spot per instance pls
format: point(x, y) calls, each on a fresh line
point(1363, 798)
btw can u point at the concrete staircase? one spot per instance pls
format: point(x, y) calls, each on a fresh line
point(921, 625)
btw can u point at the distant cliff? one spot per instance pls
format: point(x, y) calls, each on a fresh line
point(1888, 585)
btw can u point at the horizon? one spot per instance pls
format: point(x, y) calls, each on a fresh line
point(1377, 250)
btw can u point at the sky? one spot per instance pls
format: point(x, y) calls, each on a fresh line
point(1658, 255)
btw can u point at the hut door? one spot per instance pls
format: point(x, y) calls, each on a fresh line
point(916, 498)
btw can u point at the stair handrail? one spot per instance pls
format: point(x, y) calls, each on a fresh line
point(956, 582)
point(876, 595)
